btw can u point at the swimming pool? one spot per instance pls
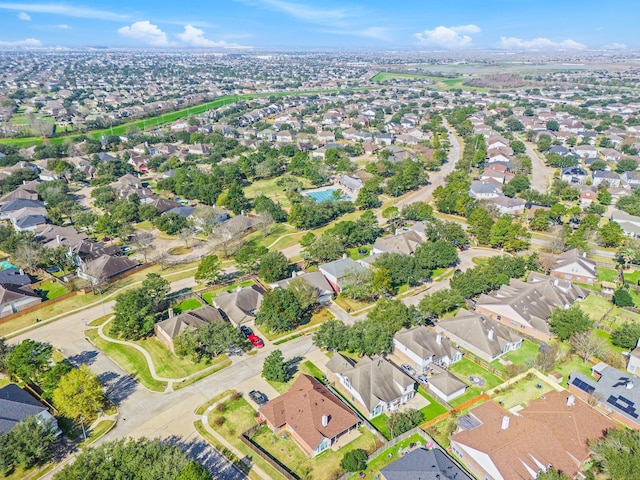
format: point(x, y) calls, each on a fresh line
point(4, 265)
point(325, 195)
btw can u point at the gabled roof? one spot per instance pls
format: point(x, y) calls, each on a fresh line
point(424, 342)
point(20, 203)
point(574, 256)
point(15, 406)
point(13, 276)
point(421, 464)
point(341, 268)
point(315, 279)
point(474, 329)
point(405, 243)
point(239, 304)
point(107, 266)
point(547, 432)
point(53, 236)
point(302, 409)
point(374, 378)
point(190, 320)
point(12, 293)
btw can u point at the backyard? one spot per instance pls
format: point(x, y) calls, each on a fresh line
point(522, 392)
point(51, 290)
point(387, 456)
point(324, 466)
point(527, 351)
point(607, 274)
point(465, 368)
point(186, 305)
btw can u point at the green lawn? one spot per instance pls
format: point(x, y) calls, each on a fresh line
point(306, 367)
point(632, 277)
point(574, 363)
point(434, 408)
point(269, 188)
point(354, 254)
point(380, 422)
point(324, 466)
point(522, 392)
point(607, 337)
point(463, 369)
point(389, 455)
point(186, 305)
point(528, 350)
point(129, 359)
point(595, 306)
point(607, 274)
point(318, 317)
point(51, 290)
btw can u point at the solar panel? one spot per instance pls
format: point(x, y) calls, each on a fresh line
point(584, 386)
point(623, 404)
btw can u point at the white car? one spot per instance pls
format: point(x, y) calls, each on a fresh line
point(407, 369)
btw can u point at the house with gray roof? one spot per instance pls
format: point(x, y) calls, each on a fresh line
point(17, 405)
point(484, 189)
point(19, 204)
point(315, 279)
point(338, 272)
point(574, 175)
point(13, 276)
point(574, 266)
point(630, 224)
point(15, 298)
point(404, 243)
point(423, 464)
point(611, 178)
point(168, 330)
point(421, 347)
point(444, 384)
point(105, 267)
point(527, 306)
point(374, 384)
point(479, 334)
point(616, 392)
point(239, 305)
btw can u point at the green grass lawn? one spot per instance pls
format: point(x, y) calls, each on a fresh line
point(389, 455)
point(434, 408)
point(632, 277)
point(607, 336)
point(607, 274)
point(354, 254)
point(51, 290)
point(306, 367)
point(595, 306)
point(321, 467)
point(463, 369)
point(172, 366)
point(572, 363)
point(528, 350)
point(522, 392)
point(129, 359)
point(269, 188)
point(186, 305)
point(380, 422)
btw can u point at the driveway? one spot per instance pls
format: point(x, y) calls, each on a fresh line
point(541, 175)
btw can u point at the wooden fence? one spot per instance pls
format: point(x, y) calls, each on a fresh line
point(247, 438)
point(40, 306)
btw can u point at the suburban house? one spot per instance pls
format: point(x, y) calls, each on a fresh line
point(240, 305)
point(423, 464)
point(586, 151)
point(482, 190)
point(632, 179)
point(405, 243)
point(526, 306)
point(105, 267)
point(315, 279)
point(14, 298)
point(508, 205)
point(574, 266)
point(54, 236)
point(373, 383)
point(552, 431)
point(315, 417)
point(612, 179)
point(630, 224)
point(421, 347)
point(26, 191)
point(574, 175)
point(17, 405)
point(168, 330)
point(633, 363)
point(13, 276)
point(338, 272)
point(481, 335)
point(616, 392)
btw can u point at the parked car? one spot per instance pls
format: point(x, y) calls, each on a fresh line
point(255, 340)
point(407, 369)
point(125, 249)
point(53, 269)
point(258, 397)
point(422, 379)
point(246, 331)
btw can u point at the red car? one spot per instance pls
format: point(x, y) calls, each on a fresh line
point(255, 340)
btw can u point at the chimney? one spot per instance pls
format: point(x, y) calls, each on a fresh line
point(170, 312)
point(571, 401)
point(293, 274)
point(439, 339)
point(490, 334)
point(344, 256)
point(58, 239)
point(325, 420)
point(505, 422)
point(629, 384)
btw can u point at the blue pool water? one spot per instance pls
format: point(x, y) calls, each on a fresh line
point(4, 265)
point(323, 195)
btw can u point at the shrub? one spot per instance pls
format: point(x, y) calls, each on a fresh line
point(218, 421)
point(354, 460)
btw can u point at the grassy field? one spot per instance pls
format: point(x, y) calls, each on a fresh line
point(269, 188)
point(463, 369)
point(186, 305)
point(323, 466)
point(522, 392)
point(129, 359)
point(632, 277)
point(51, 290)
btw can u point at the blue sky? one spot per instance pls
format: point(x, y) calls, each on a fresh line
point(407, 24)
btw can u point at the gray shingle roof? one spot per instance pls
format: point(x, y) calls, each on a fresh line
point(421, 464)
point(15, 406)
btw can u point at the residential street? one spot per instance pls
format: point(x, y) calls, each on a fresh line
point(541, 175)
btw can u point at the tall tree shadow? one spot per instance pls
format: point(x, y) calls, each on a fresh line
point(84, 358)
point(117, 387)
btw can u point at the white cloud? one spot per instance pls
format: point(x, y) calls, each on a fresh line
point(63, 9)
point(540, 43)
point(195, 37)
point(63, 26)
point(145, 32)
point(24, 16)
point(615, 46)
point(28, 42)
point(448, 37)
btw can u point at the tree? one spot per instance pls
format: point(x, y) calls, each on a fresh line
point(28, 360)
point(275, 368)
point(566, 322)
point(552, 474)
point(392, 314)
point(604, 197)
point(5, 348)
point(553, 125)
point(325, 248)
point(79, 394)
point(170, 223)
point(305, 293)
point(187, 234)
point(30, 442)
point(517, 146)
point(27, 256)
point(354, 460)
point(617, 455)
point(435, 304)
point(142, 459)
point(208, 269)
point(622, 298)
point(509, 234)
point(417, 211)
point(274, 266)
point(626, 335)
point(143, 242)
point(209, 341)
point(248, 258)
point(544, 142)
point(280, 311)
point(611, 234)
point(235, 199)
point(598, 165)
point(404, 421)
point(588, 344)
point(627, 165)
